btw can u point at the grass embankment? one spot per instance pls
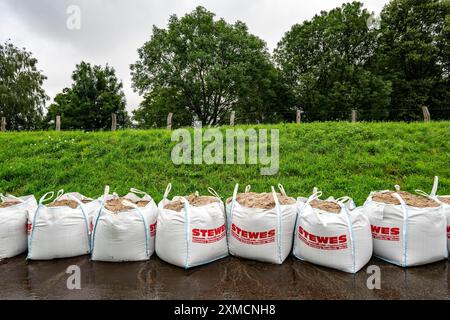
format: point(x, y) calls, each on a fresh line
point(339, 158)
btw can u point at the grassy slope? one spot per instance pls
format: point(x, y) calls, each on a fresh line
point(340, 158)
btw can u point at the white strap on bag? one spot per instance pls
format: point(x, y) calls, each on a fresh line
point(46, 197)
point(282, 191)
point(279, 224)
point(59, 194)
point(144, 220)
point(230, 215)
point(3, 198)
point(247, 188)
point(137, 191)
point(214, 193)
point(86, 218)
point(347, 199)
point(167, 191)
point(187, 229)
point(405, 225)
point(350, 229)
point(435, 186)
point(316, 195)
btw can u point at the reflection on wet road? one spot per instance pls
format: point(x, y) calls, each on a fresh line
point(230, 278)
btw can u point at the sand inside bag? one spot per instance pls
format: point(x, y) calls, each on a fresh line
point(194, 200)
point(409, 198)
point(8, 204)
point(116, 205)
point(61, 203)
point(444, 199)
point(325, 205)
point(261, 200)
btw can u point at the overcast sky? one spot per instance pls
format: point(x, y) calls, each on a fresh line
point(112, 30)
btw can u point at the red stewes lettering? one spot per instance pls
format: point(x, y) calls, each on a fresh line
point(320, 242)
point(253, 237)
point(208, 235)
point(385, 233)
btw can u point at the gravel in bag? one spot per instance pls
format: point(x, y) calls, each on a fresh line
point(194, 200)
point(409, 198)
point(261, 200)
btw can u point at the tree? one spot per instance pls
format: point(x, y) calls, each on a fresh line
point(414, 54)
point(22, 97)
point(202, 67)
point(95, 94)
point(325, 63)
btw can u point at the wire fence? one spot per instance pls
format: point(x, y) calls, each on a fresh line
point(172, 119)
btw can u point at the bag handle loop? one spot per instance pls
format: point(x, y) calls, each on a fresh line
point(46, 197)
point(59, 194)
point(214, 193)
point(435, 186)
point(167, 191)
point(282, 191)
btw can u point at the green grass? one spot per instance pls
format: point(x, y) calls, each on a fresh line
point(340, 158)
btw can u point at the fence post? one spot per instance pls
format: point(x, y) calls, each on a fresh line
point(232, 118)
point(354, 115)
point(426, 114)
point(114, 122)
point(3, 125)
point(169, 121)
point(58, 123)
point(298, 118)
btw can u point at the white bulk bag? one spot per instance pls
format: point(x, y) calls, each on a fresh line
point(405, 235)
point(126, 235)
point(194, 236)
point(341, 240)
point(13, 225)
point(58, 232)
point(446, 207)
point(261, 234)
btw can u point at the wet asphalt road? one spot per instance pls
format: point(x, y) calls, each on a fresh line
point(230, 278)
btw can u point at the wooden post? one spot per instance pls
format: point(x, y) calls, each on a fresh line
point(58, 123)
point(354, 115)
point(169, 121)
point(426, 114)
point(298, 118)
point(3, 126)
point(114, 122)
point(232, 118)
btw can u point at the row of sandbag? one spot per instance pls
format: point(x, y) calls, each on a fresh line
point(192, 230)
point(118, 228)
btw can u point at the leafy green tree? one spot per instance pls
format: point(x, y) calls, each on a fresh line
point(22, 98)
point(202, 67)
point(95, 94)
point(325, 63)
point(414, 54)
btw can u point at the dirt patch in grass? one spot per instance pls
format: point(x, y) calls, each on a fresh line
point(409, 198)
point(194, 200)
point(8, 204)
point(260, 200)
point(324, 205)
